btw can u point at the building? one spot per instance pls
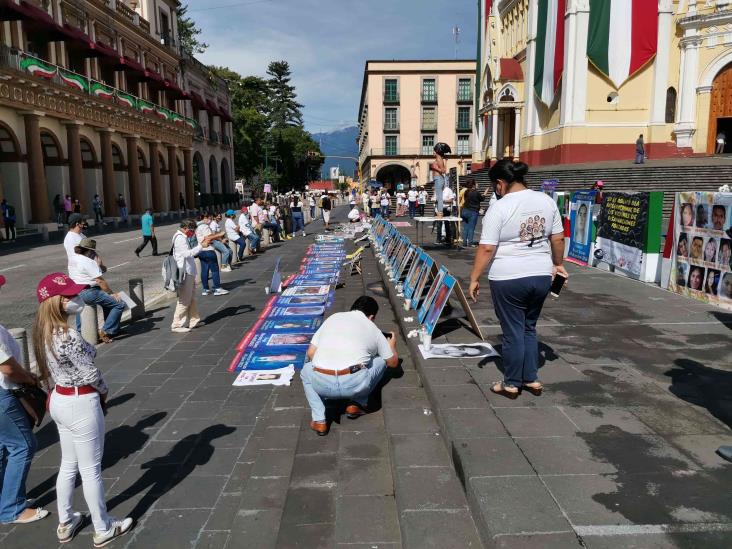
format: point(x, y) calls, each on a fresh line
point(408, 106)
point(92, 101)
point(665, 72)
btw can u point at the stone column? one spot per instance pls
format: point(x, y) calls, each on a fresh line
point(76, 172)
point(40, 208)
point(517, 133)
point(157, 189)
point(573, 100)
point(133, 175)
point(686, 125)
point(109, 188)
point(494, 136)
point(173, 171)
point(661, 63)
point(531, 118)
point(188, 168)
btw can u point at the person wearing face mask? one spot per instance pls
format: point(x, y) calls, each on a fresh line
point(76, 405)
point(77, 226)
point(186, 309)
point(17, 441)
point(521, 266)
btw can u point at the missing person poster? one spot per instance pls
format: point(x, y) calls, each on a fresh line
point(438, 303)
point(621, 230)
point(702, 249)
point(580, 217)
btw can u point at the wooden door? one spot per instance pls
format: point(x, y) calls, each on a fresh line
point(720, 106)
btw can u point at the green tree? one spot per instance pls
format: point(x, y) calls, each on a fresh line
point(285, 111)
point(188, 34)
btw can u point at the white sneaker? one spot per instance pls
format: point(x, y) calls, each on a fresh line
point(225, 269)
point(180, 330)
point(303, 233)
point(65, 533)
point(119, 528)
point(205, 292)
point(220, 291)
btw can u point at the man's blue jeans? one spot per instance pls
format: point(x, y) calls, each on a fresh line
point(412, 208)
point(241, 247)
point(253, 239)
point(17, 446)
point(470, 220)
point(226, 252)
point(298, 222)
point(112, 308)
point(640, 158)
point(384, 211)
point(209, 267)
point(356, 387)
point(439, 187)
point(312, 213)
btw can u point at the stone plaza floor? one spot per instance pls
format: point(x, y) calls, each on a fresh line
point(618, 452)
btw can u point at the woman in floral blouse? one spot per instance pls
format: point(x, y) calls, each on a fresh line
point(76, 406)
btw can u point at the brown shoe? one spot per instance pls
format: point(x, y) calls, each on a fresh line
point(320, 427)
point(354, 411)
point(104, 338)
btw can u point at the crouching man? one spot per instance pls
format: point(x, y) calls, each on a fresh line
point(347, 358)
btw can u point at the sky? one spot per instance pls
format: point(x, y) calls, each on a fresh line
point(327, 43)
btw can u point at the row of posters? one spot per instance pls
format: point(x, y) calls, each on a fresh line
point(580, 216)
point(621, 230)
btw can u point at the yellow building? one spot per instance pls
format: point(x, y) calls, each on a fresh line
point(407, 107)
point(96, 99)
point(679, 100)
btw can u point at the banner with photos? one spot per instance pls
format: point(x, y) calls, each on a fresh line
point(621, 230)
point(580, 216)
point(702, 252)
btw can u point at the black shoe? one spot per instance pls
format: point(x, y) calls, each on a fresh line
point(137, 253)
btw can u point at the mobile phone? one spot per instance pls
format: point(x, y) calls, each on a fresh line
point(557, 285)
point(387, 335)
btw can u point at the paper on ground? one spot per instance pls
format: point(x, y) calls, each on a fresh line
point(281, 376)
point(459, 350)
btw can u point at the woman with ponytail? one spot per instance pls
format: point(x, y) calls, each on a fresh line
point(522, 247)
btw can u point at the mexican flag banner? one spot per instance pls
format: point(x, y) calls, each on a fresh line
point(102, 91)
point(162, 113)
point(146, 107)
point(126, 99)
point(622, 37)
point(74, 80)
point(549, 60)
point(36, 67)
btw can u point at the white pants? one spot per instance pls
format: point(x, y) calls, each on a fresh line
point(326, 216)
point(80, 425)
point(186, 310)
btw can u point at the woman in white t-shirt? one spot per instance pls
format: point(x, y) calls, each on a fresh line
point(522, 246)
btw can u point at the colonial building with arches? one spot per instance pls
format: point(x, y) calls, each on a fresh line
point(543, 95)
point(93, 101)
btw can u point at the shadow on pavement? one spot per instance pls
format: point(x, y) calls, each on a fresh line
point(546, 354)
point(228, 312)
point(703, 386)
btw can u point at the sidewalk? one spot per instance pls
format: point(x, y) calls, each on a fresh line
point(619, 451)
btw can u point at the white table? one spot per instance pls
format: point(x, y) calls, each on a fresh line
point(421, 221)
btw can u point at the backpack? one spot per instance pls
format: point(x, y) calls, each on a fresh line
point(172, 274)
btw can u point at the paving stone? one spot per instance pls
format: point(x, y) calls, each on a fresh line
point(365, 477)
point(451, 375)
point(589, 418)
point(473, 423)
point(405, 397)
point(280, 438)
point(314, 470)
point(459, 396)
point(535, 422)
point(306, 536)
point(562, 456)
point(176, 528)
point(265, 493)
point(356, 516)
point(363, 444)
point(213, 540)
point(238, 478)
point(193, 491)
point(707, 540)
point(259, 527)
point(178, 429)
point(402, 422)
point(495, 456)
point(419, 450)
point(563, 540)
point(199, 410)
point(428, 488)
point(442, 529)
point(273, 463)
point(369, 422)
point(309, 505)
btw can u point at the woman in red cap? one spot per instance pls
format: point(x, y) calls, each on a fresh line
point(17, 442)
point(76, 405)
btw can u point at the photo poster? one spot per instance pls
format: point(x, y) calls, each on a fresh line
point(399, 256)
point(402, 268)
point(621, 230)
point(251, 378)
point(275, 286)
point(391, 247)
point(442, 295)
point(295, 311)
point(428, 270)
point(580, 219)
point(306, 300)
point(702, 250)
point(410, 282)
point(268, 341)
point(313, 278)
point(431, 293)
point(307, 290)
point(269, 360)
point(549, 186)
point(298, 325)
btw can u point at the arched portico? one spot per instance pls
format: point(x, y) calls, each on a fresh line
point(393, 173)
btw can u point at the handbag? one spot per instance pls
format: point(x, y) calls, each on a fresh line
point(33, 400)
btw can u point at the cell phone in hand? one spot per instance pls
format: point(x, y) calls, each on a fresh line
point(387, 335)
point(557, 285)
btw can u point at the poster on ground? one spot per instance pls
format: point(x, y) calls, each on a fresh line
point(621, 230)
point(702, 248)
point(438, 303)
point(580, 215)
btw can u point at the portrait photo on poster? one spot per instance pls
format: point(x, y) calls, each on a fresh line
point(438, 303)
point(458, 350)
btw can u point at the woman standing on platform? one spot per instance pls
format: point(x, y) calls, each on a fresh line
point(521, 266)
point(439, 169)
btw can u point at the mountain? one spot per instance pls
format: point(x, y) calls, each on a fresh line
point(340, 143)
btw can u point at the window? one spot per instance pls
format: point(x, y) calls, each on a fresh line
point(670, 105)
point(7, 143)
point(463, 144)
point(428, 144)
point(117, 160)
point(429, 118)
point(465, 90)
point(463, 118)
point(391, 147)
point(50, 149)
point(391, 119)
point(87, 153)
point(391, 93)
point(165, 34)
point(429, 90)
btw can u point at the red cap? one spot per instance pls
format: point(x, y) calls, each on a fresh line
point(57, 284)
point(244, 209)
point(2, 280)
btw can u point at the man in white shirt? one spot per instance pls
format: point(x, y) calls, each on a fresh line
point(74, 236)
point(311, 204)
point(412, 196)
point(219, 246)
point(247, 230)
point(385, 199)
point(448, 200)
point(85, 270)
point(208, 259)
point(354, 215)
point(422, 199)
point(348, 356)
point(186, 309)
point(365, 199)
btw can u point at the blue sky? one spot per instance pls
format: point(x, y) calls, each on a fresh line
point(327, 42)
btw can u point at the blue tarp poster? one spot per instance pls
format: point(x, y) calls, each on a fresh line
point(580, 218)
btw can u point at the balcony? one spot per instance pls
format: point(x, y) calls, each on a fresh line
point(465, 97)
point(429, 98)
point(391, 98)
point(213, 137)
point(429, 126)
point(462, 126)
point(391, 126)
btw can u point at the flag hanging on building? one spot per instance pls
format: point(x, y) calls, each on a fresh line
point(622, 37)
point(549, 60)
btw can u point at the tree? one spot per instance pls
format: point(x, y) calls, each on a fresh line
point(285, 110)
point(188, 34)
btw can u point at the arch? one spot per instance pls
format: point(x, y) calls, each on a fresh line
point(392, 174)
point(88, 156)
point(508, 93)
point(213, 172)
point(142, 160)
point(163, 163)
point(225, 176)
point(179, 164)
point(52, 152)
point(720, 112)
point(714, 68)
point(199, 174)
point(9, 145)
point(670, 116)
point(118, 160)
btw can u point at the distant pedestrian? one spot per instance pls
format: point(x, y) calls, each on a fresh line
point(640, 150)
point(77, 406)
point(721, 143)
point(98, 206)
point(384, 201)
point(68, 207)
point(76, 206)
point(207, 257)
point(234, 235)
point(219, 245)
point(327, 205)
point(412, 201)
point(8, 215)
point(311, 204)
point(366, 202)
point(147, 223)
point(182, 201)
point(247, 230)
point(58, 209)
point(186, 309)
point(470, 212)
point(422, 198)
point(77, 226)
point(122, 205)
point(298, 221)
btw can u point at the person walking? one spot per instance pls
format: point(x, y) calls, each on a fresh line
point(640, 150)
point(208, 259)
point(327, 205)
point(721, 143)
point(17, 441)
point(311, 204)
point(76, 405)
point(122, 205)
point(521, 265)
point(97, 206)
point(470, 212)
point(186, 308)
point(68, 208)
point(182, 201)
point(219, 245)
point(298, 221)
point(366, 202)
point(8, 215)
point(147, 227)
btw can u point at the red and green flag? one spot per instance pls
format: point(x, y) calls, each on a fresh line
point(102, 91)
point(36, 67)
point(549, 60)
point(126, 99)
point(74, 80)
point(146, 107)
point(622, 37)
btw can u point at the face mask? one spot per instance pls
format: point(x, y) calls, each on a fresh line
point(74, 306)
point(190, 233)
point(85, 227)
